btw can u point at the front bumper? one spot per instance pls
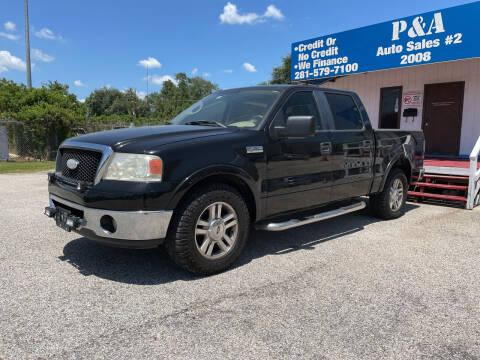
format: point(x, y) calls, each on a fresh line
point(136, 229)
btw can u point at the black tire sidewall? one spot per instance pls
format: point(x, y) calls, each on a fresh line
point(396, 174)
point(192, 209)
point(380, 202)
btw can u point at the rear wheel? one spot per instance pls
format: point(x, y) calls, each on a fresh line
point(209, 230)
point(390, 203)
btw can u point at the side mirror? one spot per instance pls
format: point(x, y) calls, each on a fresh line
point(297, 127)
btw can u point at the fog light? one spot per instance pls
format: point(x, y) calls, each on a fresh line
point(70, 222)
point(108, 224)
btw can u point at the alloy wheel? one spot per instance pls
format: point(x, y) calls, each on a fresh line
point(396, 195)
point(216, 230)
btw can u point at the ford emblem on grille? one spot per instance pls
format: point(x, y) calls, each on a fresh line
point(72, 164)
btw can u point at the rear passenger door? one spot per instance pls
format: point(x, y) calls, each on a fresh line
point(352, 146)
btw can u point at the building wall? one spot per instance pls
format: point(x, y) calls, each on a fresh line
point(413, 79)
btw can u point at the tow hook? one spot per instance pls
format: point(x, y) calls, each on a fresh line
point(50, 211)
point(51, 177)
point(64, 219)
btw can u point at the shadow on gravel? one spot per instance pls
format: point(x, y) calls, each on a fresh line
point(150, 267)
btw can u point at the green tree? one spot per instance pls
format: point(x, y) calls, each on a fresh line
point(135, 106)
point(100, 102)
point(11, 95)
point(106, 101)
point(282, 74)
point(177, 96)
point(48, 113)
point(199, 88)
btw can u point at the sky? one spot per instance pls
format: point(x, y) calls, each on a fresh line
point(91, 44)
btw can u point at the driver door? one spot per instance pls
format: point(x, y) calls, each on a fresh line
point(298, 169)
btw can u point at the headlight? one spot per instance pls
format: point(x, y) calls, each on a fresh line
point(134, 167)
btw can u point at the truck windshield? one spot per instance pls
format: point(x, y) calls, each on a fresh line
point(244, 108)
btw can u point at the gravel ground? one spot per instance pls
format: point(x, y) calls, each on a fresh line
point(347, 288)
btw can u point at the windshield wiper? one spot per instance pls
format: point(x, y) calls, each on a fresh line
point(205, 122)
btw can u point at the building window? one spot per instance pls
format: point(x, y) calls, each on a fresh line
point(390, 107)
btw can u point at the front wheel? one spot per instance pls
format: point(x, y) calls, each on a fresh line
point(209, 230)
point(390, 203)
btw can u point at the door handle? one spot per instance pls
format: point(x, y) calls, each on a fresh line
point(325, 148)
point(289, 181)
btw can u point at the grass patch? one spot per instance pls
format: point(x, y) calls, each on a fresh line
point(25, 167)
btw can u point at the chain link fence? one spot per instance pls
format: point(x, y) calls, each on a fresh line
point(22, 143)
point(18, 142)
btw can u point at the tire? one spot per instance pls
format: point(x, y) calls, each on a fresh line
point(195, 227)
point(383, 205)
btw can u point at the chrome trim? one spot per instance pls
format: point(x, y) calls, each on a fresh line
point(131, 225)
point(311, 219)
point(104, 149)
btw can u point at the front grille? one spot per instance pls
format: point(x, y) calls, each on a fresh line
point(88, 161)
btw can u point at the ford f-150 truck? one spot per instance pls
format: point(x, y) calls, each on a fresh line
point(275, 157)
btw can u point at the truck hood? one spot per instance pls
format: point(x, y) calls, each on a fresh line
point(149, 135)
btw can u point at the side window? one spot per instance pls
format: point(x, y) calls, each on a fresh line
point(345, 112)
point(302, 104)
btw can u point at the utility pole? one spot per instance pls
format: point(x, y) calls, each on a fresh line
point(27, 47)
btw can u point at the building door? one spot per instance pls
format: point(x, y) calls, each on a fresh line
point(442, 118)
point(390, 107)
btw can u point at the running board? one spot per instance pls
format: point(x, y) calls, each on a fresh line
point(311, 219)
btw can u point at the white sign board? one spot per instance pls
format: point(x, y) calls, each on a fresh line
point(413, 98)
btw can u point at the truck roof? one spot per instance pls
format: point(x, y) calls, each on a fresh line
point(283, 87)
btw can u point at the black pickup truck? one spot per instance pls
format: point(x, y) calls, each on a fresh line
point(276, 157)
